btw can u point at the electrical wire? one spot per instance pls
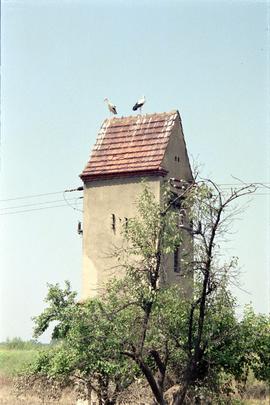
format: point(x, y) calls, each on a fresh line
point(30, 196)
point(36, 203)
point(41, 195)
point(259, 184)
point(34, 209)
point(68, 202)
point(262, 183)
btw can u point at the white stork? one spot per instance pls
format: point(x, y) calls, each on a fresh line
point(111, 106)
point(139, 104)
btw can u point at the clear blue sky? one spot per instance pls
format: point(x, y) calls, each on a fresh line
point(61, 58)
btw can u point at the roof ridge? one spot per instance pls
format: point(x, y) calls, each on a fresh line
point(141, 115)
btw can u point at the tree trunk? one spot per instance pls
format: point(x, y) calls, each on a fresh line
point(189, 377)
point(181, 395)
point(110, 402)
point(152, 382)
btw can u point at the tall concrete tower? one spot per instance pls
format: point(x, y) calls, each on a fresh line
point(127, 150)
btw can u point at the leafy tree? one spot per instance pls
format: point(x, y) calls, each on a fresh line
point(199, 210)
point(144, 327)
point(87, 349)
point(61, 307)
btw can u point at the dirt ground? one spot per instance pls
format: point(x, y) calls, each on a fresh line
point(8, 397)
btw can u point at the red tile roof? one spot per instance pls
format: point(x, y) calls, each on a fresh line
point(130, 146)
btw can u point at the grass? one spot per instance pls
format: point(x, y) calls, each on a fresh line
point(13, 361)
point(15, 354)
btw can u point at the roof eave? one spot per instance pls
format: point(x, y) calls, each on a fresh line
point(87, 177)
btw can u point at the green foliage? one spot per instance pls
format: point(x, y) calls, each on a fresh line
point(255, 342)
point(88, 345)
point(60, 308)
point(100, 330)
point(152, 223)
point(139, 328)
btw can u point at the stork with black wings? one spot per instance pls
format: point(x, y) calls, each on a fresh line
point(111, 106)
point(139, 104)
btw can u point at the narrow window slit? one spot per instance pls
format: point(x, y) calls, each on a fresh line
point(113, 222)
point(126, 223)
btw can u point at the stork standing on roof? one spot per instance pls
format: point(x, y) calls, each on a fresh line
point(139, 104)
point(111, 106)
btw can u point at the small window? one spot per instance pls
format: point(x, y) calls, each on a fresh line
point(176, 261)
point(113, 223)
point(126, 223)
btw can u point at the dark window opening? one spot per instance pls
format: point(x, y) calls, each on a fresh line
point(176, 261)
point(79, 228)
point(113, 223)
point(126, 223)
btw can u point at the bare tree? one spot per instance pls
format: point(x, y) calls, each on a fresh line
point(208, 213)
point(212, 212)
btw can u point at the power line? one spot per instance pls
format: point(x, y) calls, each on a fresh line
point(227, 187)
point(41, 195)
point(33, 209)
point(226, 193)
point(71, 206)
point(31, 196)
point(262, 183)
point(67, 205)
point(234, 188)
point(251, 184)
point(37, 203)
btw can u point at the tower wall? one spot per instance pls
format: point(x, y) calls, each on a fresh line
point(102, 200)
point(176, 162)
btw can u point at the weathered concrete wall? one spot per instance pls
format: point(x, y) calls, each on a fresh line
point(176, 162)
point(102, 199)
